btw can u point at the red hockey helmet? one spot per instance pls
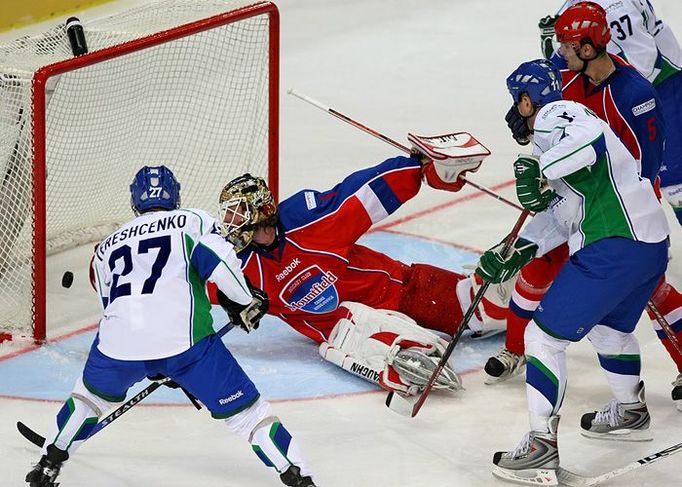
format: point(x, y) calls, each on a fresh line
point(584, 22)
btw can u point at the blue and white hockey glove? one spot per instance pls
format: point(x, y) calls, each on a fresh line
point(495, 268)
point(531, 187)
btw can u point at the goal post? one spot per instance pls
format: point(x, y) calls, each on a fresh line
point(193, 84)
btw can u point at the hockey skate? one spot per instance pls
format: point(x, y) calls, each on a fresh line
point(292, 477)
point(677, 392)
point(618, 421)
point(47, 469)
point(534, 461)
point(503, 366)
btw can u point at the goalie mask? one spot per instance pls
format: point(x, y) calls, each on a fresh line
point(154, 188)
point(246, 204)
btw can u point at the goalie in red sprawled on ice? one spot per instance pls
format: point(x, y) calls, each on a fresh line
point(584, 186)
point(368, 312)
point(150, 275)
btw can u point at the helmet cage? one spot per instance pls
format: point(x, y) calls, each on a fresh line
point(245, 205)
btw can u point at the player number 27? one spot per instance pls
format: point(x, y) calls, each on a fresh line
point(125, 252)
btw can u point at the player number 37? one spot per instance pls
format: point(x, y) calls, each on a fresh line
point(163, 244)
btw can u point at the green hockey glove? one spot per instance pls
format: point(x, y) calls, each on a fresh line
point(546, 26)
point(495, 268)
point(531, 188)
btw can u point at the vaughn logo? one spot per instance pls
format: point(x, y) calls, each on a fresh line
point(233, 397)
point(287, 270)
point(363, 371)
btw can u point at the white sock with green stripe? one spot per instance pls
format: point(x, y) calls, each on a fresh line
point(545, 375)
point(76, 418)
point(270, 440)
point(619, 356)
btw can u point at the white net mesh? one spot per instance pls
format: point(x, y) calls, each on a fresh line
point(198, 104)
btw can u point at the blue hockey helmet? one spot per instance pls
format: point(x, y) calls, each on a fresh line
point(539, 79)
point(154, 188)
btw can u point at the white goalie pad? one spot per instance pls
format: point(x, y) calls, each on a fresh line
point(367, 341)
point(452, 154)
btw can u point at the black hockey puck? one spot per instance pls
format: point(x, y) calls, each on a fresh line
point(67, 279)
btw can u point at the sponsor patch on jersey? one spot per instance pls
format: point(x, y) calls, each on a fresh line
point(311, 290)
point(647, 106)
point(310, 200)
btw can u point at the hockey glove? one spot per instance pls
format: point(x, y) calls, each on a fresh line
point(518, 126)
point(247, 316)
point(546, 26)
point(531, 187)
point(495, 268)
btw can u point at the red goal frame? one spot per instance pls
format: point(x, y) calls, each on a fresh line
point(40, 78)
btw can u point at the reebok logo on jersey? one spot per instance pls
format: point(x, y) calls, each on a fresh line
point(647, 106)
point(310, 202)
point(233, 397)
point(287, 270)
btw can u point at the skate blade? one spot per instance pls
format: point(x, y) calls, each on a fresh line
point(620, 435)
point(482, 335)
point(678, 405)
point(492, 380)
point(533, 476)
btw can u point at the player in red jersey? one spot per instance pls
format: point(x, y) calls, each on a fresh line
point(621, 96)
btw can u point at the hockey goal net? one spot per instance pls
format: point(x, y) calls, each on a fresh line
point(192, 84)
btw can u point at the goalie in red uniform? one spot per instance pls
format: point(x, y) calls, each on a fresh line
point(368, 312)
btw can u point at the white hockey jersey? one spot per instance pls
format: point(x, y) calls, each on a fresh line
point(151, 275)
point(599, 193)
point(637, 35)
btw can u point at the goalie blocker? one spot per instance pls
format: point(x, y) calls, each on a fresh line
point(452, 155)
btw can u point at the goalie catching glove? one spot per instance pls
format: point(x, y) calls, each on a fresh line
point(495, 267)
point(452, 155)
point(531, 187)
point(246, 316)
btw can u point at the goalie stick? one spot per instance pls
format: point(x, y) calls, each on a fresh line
point(38, 440)
point(410, 405)
point(571, 479)
point(392, 142)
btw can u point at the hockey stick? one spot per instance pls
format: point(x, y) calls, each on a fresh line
point(665, 326)
point(392, 142)
point(575, 480)
point(410, 405)
point(39, 440)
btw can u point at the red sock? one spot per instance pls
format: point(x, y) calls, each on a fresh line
point(669, 303)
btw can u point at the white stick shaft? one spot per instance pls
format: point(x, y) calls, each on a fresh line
point(390, 141)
